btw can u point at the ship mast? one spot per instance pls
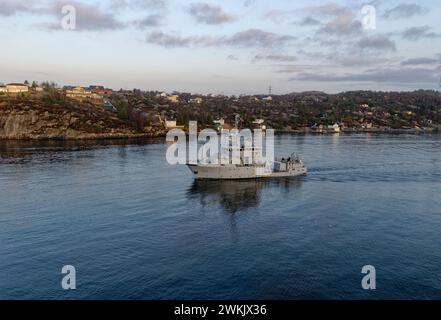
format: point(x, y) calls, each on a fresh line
point(237, 121)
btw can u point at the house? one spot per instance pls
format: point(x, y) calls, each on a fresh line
point(268, 98)
point(334, 128)
point(172, 124)
point(367, 126)
point(3, 89)
point(109, 106)
point(196, 100)
point(173, 98)
point(16, 88)
point(93, 88)
point(101, 90)
point(77, 93)
point(220, 122)
point(81, 94)
point(259, 124)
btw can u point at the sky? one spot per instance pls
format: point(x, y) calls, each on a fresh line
point(230, 46)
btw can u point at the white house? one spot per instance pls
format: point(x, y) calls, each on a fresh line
point(3, 89)
point(170, 124)
point(196, 100)
point(259, 124)
point(334, 128)
point(16, 88)
point(220, 122)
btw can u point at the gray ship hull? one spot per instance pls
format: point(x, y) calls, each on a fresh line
point(234, 172)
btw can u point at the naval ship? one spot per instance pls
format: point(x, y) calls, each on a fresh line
point(289, 167)
point(250, 165)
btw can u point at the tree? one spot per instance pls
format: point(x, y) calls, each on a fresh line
point(122, 108)
point(48, 85)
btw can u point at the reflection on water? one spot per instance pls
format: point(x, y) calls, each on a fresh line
point(23, 151)
point(238, 195)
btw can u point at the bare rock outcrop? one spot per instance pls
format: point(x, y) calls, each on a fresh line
point(25, 118)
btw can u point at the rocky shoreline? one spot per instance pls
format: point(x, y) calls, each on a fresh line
point(356, 131)
point(123, 136)
point(34, 120)
point(37, 119)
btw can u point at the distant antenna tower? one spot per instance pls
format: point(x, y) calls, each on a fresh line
point(270, 90)
point(439, 85)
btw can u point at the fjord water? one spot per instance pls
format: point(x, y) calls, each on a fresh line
point(136, 228)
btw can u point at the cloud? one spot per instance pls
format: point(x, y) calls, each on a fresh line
point(210, 14)
point(309, 21)
point(275, 57)
point(145, 4)
point(275, 15)
point(245, 39)
point(296, 68)
point(416, 33)
point(232, 57)
point(88, 18)
point(330, 9)
point(12, 7)
point(152, 20)
point(420, 61)
point(357, 60)
point(376, 43)
point(405, 11)
point(337, 59)
point(343, 25)
point(249, 3)
point(172, 41)
point(387, 75)
point(342, 21)
point(258, 38)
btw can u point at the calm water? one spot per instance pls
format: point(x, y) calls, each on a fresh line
point(136, 228)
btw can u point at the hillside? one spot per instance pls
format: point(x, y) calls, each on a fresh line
point(28, 117)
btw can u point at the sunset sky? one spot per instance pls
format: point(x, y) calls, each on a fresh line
point(230, 46)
